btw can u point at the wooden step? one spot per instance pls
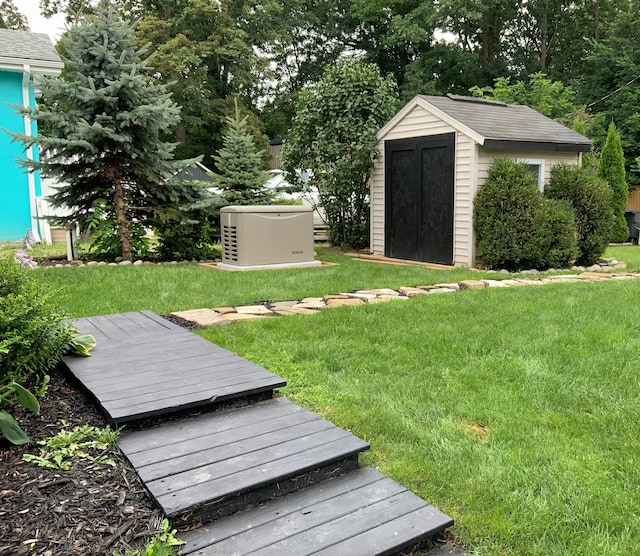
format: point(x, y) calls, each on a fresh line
point(144, 366)
point(361, 513)
point(219, 463)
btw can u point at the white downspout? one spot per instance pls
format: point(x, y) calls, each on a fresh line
point(33, 205)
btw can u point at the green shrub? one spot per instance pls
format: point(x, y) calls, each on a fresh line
point(508, 212)
point(559, 226)
point(33, 334)
point(590, 197)
point(611, 169)
point(193, 232)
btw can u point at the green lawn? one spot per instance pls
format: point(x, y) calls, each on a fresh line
point(170, 287)
point(514, 411)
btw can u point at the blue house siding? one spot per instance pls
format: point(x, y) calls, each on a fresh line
point(15, 212)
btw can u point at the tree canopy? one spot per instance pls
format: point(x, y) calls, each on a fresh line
point(104, 119)
point(265, 52)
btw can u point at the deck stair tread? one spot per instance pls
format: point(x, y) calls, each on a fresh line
point(360, 513)
point(265, 478)
point(191, 463)
point(144, 366)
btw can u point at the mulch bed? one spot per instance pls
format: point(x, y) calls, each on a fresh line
point(88, 509)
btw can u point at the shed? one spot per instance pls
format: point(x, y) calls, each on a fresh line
point(435, 154)
point(22, 55)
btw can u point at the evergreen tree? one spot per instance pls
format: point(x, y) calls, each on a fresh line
point(611, 169)
point(240, 175)
point(104, 119)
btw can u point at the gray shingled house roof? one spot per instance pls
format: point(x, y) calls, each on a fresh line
point(508, 125)
point(23, 45)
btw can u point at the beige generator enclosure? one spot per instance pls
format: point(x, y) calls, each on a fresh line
point(255, 237)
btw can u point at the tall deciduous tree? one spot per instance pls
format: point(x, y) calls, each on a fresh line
point(611, 169)
point(11, 18)
point(240, 166)
point(334, 136)
point(104, 120)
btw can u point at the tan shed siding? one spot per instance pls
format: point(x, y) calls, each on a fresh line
point(463, 212)
point(377, 204)
point(417, 123)
point(551, 158)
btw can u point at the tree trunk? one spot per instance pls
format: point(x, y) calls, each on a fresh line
point(124, 234)
point(181, 133)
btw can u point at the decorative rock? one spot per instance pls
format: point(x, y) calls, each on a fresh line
point(534, 271)
point(380, 291)
point(147, 262)
point(452, 286)
point(113, 264)
point(412, 292)
point(232, 317)
point(118, 259)
point(343, 302)
point(312, 299)
point(283, 311)
point(102, 263)
point(358, 295)
point(172, 262)
point(280, 304)
point(253, 310)
point(125, 263)
point(59, 265)
point(335, 296)
point(92, 263)
point(224, 310)
point(472, 285)
point(594, 268)
point(620, 265)
point(202, 317)
point(137, 263)
point(442, 290)
point(495, 283)
point(504, 271)
point(391, 298)
point(312, 305)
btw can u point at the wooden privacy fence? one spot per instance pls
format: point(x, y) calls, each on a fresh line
point(633, 201)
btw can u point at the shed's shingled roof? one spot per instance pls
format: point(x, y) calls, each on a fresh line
point(27, 46)
point(498, 121)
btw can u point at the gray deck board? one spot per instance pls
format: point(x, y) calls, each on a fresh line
point(145, 366)
point(193, 462)
point(361, 513)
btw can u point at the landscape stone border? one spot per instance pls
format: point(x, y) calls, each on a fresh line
point(311, 305)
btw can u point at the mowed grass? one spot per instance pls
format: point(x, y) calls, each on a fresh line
point(516, 411)
point(165, 288)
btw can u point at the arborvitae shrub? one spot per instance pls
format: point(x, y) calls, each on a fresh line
point(611, 169)
point(590, 197)
point(559, 225)
point(33, 334)
point(517, 227)
point(507, 213)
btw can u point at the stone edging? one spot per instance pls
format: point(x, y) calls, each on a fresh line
point(310, 305)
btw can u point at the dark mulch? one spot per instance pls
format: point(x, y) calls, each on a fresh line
point(85, 510)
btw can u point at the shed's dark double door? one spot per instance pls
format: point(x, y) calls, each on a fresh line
point(419, 198)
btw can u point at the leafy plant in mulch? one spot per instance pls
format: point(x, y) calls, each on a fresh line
point(33, 338)
point(59, 451)
point(163, 544)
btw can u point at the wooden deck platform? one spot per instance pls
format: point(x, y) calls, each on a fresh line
point(215, 463)
point(362, 513)
point(264, 478)
point(144, 366)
